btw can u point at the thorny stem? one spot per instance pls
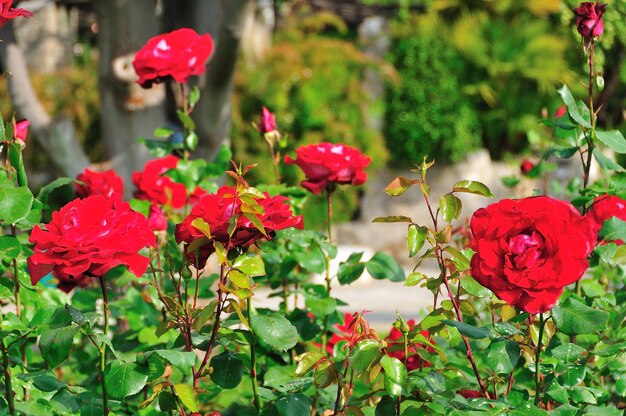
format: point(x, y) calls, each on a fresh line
point(103, 346)
point(542, 324)
point(255, 384)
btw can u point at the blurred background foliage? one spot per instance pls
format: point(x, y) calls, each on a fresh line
point(458, 75)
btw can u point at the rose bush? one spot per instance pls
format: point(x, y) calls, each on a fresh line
point(178, 55)
point(326, 165)
point(87, 238)
point(108, 184)
point(528, 250)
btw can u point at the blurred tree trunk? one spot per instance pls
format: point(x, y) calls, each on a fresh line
point(56, 136)
point(224, 20)
point(127, 113)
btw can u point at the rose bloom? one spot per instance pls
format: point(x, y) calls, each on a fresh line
point(178, 54)
point(20, 132)
point(7, 12)
point(87, 238)
point(218, 209)
point(528, 250)
point(153, 185)
point(327, 164)
point(589, 19)
point(414, 361)
point(268, 122)
point(560, 112)
point(526, 166)
point(605, 207)
point(107, 184)
point(156, 219)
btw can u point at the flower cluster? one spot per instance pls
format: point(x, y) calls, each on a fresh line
point(87, 238)
point(217, 211)
point(178, 55)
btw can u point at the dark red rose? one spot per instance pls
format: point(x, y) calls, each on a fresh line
point(327, 164)
point(470, 394)
point(20, 131)
point(217, 209)
point(268, 122)
point(414, 361)
point(526, 166)
point(560, 112)
point(589, 19)
point(153, 185)
point(107, 184)
point(527, 250)
point(7, 12)
point(156, 219)
point(178, 54)
point(88, 237)
point(605, 207)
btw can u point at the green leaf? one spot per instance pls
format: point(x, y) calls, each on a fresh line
point(607, 350)
point(364, 355)
point(292, 405)
point(416, 238)
point(308, 361)
point(400, 185)
point(502, 356)
point(349, 272)
point(250, 264)
point(572, 107)
point(474, 288)
point(184, 360)
point(573, 317)
point(558, 392)
point(162, 132)
point(383, 266)
point(15, 203)
point(46, 190)
point(613, 229)
point(55, 344)
point(606, 162)
point(124, 379)
point(48, 383)
point(187, 395)
point(470, 331)
point(325, 374)
point(10, 248)
point(414, 278)
point(188, 123)
point(450, 207)
point(194, 96)
point(560, 152)
point(75, 315)
point(227, 370)
point(612, 139)
point(275, 331)
point(392, 218)
point(472, 187)
point(17, 161)
point(395, 375)
point(568, 353)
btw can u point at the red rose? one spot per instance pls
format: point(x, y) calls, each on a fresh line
point(153, 185)
point(327, 164)
point(589, 19)
point(526, 166)
point(156, 219)
point(218, 209)
point(414, 361)
point(527, 250)
point(107, 184)
point(20, 131)
point(605, 207)
point(7, 12)
point(268, 122)
point(470, 394)
point(560, 112)
point(178, 54)
point(88, 237)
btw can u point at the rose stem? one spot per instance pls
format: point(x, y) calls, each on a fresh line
point(329, 212)
point(542, 324)
point(8, 385)
point(255, 385)
point(103, 346)
point(340, 387)
point(457, 309)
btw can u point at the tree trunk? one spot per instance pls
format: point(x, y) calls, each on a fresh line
point(224, 20)
point(127, 112)
point(56, 136)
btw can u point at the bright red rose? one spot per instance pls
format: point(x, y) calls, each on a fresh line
point(589, 19)
point(20, 132)
point(107, 184)
point(268, 122)
point(7, 12)
point(528, 250)
point(327, 164)
point(88, 237)
point(156, 219)
point(153, 185)
point(414, 361)
point(217, 210)
point(526, 166)
point(178, 54)
point(605, 207)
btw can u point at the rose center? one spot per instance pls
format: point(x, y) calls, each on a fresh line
point(525, 250)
